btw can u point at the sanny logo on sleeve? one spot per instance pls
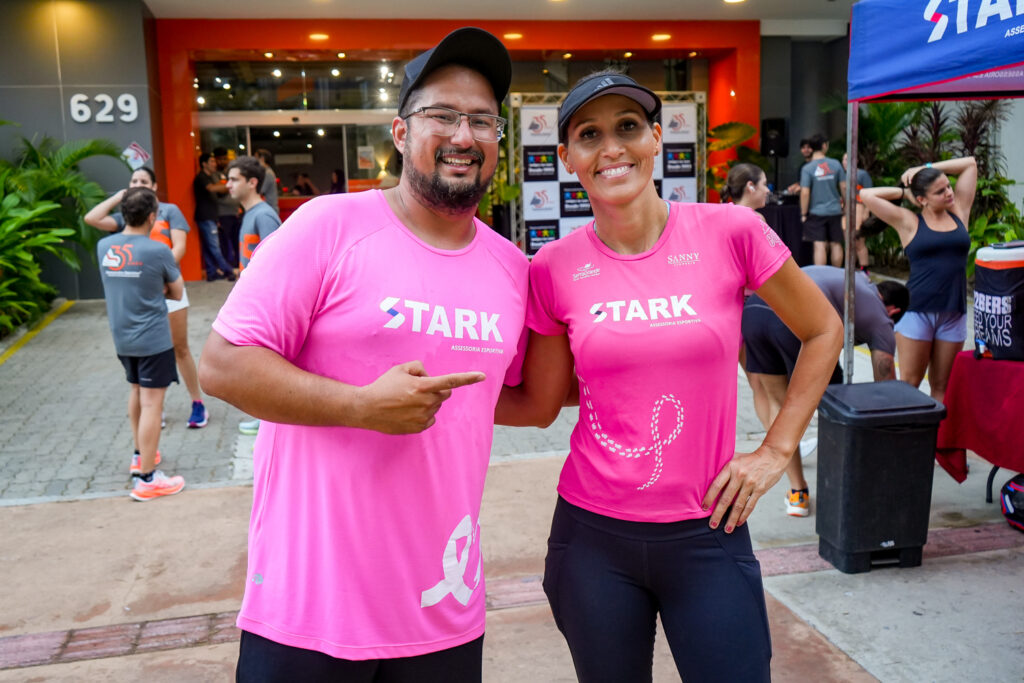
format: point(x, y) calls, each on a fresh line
point(653, 309)
point(454, 323)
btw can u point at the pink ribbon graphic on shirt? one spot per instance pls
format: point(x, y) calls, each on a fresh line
point(658, 442)
point(454, 567)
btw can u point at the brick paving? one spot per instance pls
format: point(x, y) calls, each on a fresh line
point(57, 647)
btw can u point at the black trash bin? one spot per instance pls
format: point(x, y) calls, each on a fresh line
point(876, 454)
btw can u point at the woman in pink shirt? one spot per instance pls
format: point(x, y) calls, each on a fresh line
point(644, 304)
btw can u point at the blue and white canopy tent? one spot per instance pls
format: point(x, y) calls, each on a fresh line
point(926, 50)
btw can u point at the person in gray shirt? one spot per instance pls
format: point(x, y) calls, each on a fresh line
point(772, 350)
point(269, 186)
point(245, 177)
point(821, 206)
point(137, 273)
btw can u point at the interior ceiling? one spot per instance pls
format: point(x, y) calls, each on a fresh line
point(544, 10)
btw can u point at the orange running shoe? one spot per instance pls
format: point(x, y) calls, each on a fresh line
point(161, 485)
point(136, 466)
point(798, 503)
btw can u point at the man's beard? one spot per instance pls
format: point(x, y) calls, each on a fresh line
point(447, 196)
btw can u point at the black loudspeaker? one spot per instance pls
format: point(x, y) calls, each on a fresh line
point(774, 138)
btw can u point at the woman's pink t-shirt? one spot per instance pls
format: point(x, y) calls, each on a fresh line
point(655, 338)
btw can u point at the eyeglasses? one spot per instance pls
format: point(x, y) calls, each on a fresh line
point(445, 122)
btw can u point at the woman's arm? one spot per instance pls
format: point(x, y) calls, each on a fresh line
point(99, 215)
point(966, 171)
point(878, 200)
point(178, 240)
point(547, 380)
point(806, 311)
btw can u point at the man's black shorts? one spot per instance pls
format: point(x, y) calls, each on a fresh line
point(823, 229)
point(772, 348)
point(153, 372)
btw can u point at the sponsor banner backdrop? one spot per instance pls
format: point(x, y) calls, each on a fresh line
point(554, 200)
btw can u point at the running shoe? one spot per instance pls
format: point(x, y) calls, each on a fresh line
point(798, 503)
point(136, 466)
point(199, 416)
point(249, 427)
point(161, 485)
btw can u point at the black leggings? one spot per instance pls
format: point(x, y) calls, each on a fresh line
point(266, 661)
point(606, 580)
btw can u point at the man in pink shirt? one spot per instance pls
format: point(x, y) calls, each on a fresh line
point(346, 333)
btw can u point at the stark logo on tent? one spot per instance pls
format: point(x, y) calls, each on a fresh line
point(469, 324)
point(986, 10)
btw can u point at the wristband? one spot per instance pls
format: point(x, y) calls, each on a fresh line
point(928, 165)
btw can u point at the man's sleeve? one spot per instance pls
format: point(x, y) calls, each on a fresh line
point(805, 176)
point(260, 311)
point(266, 224)
point(119, 219)
point(865, 180)
point(176, 219)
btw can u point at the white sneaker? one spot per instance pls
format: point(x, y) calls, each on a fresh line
point(249, 427)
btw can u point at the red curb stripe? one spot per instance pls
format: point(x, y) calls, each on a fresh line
point(56, 647)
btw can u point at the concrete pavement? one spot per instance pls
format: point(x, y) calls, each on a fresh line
point(87, 598)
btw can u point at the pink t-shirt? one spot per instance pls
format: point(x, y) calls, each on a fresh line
point(655, 338)
point(364, 545)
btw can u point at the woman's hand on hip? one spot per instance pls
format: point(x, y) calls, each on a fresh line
point(741, 483)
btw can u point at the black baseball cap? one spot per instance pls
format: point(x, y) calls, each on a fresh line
point(473, 48)
point(597, 85)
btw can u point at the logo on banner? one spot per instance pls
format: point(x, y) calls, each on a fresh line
point(678, 194)
point(539, 125)
point(986, 10)
point(678, 123)
point(540, 199)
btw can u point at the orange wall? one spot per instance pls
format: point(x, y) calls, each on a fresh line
point(735, 67)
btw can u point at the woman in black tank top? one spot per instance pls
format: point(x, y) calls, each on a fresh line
point(936, 243)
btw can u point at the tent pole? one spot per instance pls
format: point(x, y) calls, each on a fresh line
point(852, 121)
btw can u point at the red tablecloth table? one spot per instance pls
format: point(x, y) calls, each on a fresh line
point(985, 413)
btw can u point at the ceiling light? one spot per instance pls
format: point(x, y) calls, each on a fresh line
point(384, 71)
point(731, 2)
point(383, 96)
point(318, 36)
point(627, 55)
point(732, 93)
point(660, 37)
point(341, 55)
point(201, 100)
point(196, 86)
point(309, 145)
point(277, 133)
point(241, 147)
point(276, 73)
point(268, 55)
point(320, 132)
point(567, 55)
point(227, 86)
point(512, 36)
point(693, 53)
point(216, 79)
point(335, 72)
